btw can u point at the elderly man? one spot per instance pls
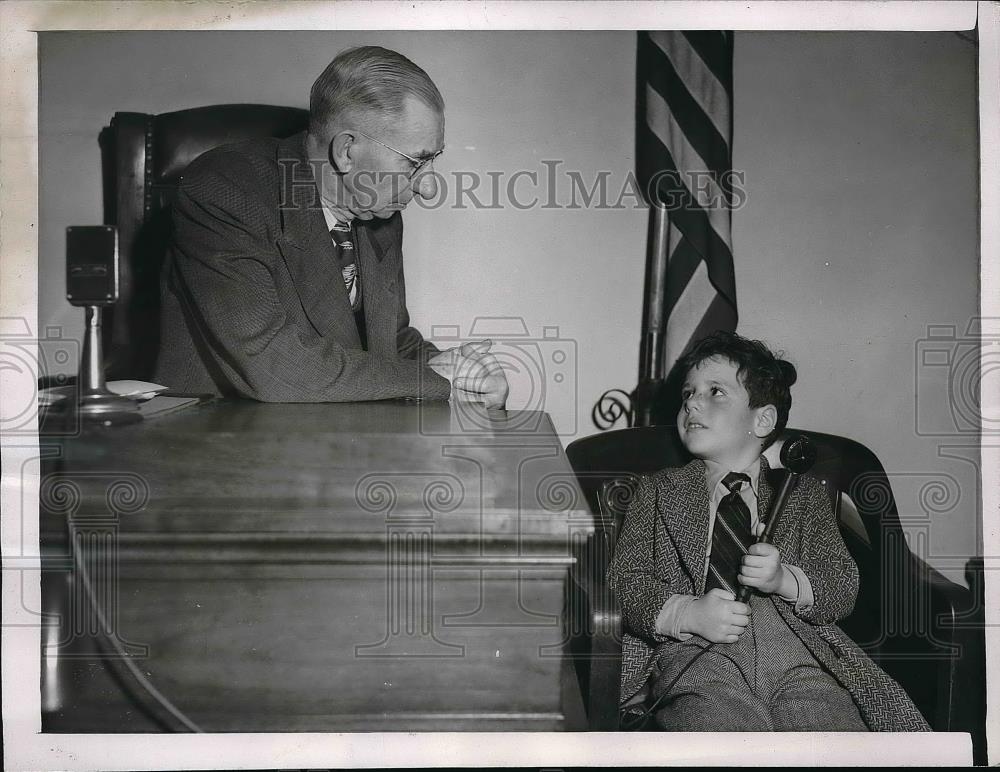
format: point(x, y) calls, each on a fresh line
point(284, 281)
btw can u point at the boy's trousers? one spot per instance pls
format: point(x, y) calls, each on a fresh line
point(765, 682)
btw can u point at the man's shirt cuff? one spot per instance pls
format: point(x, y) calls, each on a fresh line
point(448, 373)
point(668, 621)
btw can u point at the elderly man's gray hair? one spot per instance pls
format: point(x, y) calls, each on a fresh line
point(368, 78)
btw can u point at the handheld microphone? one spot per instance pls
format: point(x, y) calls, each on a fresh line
point(797, 455)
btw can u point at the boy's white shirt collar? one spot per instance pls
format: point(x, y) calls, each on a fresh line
point(715, 472)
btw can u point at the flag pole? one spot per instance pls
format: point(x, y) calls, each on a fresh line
point(654, 327)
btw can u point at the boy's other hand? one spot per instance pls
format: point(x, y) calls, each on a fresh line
point(716, 616)
point(761, 568)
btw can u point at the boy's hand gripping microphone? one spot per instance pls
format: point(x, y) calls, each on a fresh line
point(797, 455)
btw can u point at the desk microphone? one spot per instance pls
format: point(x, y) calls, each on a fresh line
point(797, 455)
point(92, 282)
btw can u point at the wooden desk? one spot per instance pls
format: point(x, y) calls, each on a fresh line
point(337, 567)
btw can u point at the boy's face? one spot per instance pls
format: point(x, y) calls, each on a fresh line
point(716, 421)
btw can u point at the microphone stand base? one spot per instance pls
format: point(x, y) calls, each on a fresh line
point(108, 409)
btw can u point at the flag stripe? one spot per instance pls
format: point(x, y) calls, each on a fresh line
point(715, 313)
point(703, 189)
point(694, 224)
point(699, 313)
point(701, 82)
point(701, 132)
point(716, 51)
point(689, 310)
point(684, 261)
point(720, 315)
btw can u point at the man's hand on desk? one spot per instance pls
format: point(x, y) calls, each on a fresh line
point(474, 373)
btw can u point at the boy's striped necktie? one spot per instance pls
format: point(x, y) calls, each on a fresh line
point(731, 537)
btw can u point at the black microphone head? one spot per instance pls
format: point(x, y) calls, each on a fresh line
point(798, 454)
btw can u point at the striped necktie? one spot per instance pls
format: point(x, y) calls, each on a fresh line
point(344, 247)
point(341, 234)
point(731, 536)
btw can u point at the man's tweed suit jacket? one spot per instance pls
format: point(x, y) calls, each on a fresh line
point(662, 550)
point(254, 303)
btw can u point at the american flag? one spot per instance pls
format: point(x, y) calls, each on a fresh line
point(684, 125)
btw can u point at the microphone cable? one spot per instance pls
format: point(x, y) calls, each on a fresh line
point(109, 637)
point(632, 720)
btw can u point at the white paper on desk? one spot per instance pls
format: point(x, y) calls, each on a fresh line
point(140, 390)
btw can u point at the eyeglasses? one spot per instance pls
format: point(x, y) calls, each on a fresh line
point(417, 164)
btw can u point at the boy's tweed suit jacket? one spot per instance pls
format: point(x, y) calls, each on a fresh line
point(254, 303)
point(662, 550)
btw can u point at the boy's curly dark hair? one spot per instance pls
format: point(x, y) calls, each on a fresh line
point(766, 378)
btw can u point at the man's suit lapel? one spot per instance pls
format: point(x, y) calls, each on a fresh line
point(685, 513)
point(308, 250)
point(377, 285)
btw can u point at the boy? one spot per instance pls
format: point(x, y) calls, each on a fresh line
point(778, 663)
